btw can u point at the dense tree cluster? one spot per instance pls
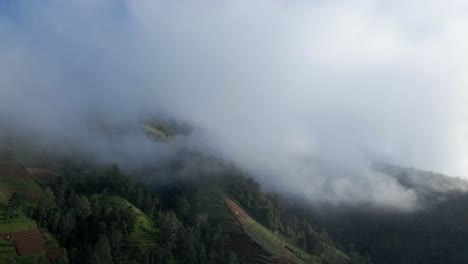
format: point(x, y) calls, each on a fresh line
point(74, 210)
point(97, 233)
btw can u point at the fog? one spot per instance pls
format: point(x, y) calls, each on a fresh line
point(303, 95)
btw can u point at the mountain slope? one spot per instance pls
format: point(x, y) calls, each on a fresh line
point(253, 242)
point(102, 215)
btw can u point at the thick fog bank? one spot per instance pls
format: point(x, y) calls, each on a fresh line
point(305, 95)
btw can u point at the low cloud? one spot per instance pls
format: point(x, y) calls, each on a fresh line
point(303, 95)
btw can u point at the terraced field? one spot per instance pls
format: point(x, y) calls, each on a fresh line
point(15, 178)
point(28, 242)
point(274, 244)
point(15, 170)
point(7, 249)
point(20, 239)
point(26, 246)
point(213, 205)
point(27, 188)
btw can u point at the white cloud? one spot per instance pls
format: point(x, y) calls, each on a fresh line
point(302, 94)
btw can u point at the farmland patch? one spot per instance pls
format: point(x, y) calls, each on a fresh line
point(42, 173)
point(261, 235)
point(28, 242)
point(15, 172)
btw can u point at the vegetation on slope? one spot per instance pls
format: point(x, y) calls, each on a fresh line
point(20, 240)
point(288, 234)
point(105, 216)
point(143, 234)
point(212, 205)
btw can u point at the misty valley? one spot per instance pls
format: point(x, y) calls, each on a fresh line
point(195, 208)
point(233, 132)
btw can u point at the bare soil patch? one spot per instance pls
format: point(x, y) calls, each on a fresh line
point(28, 242)
point(8, 171)
point(238, 212)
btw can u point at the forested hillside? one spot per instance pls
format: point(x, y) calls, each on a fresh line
point(102, 215)
point(210, 212)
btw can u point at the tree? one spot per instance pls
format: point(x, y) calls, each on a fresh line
point(62, 260)
point(49, 198)
point(101, 250)
point(182, 206)
point(115, 170)
point(82, 206)
point(14, 203)
point(165, 256)
point(116, 242)
point(186, 246)
point(68, 223)
point(202, 258)
point(169, 224)
point(314, 244)
point(231, 257)
point(40, 213)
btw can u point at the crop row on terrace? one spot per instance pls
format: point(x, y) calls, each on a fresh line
point(28, 242)
point(212, 204)
point(7, 248)
point(14, 170)
point(16, 179)
point(267, 240)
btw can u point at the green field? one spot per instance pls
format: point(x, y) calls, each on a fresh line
point(7, 248)
point(28, 188)
point(18, 223)
point(18, 184)
point(41, 258)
